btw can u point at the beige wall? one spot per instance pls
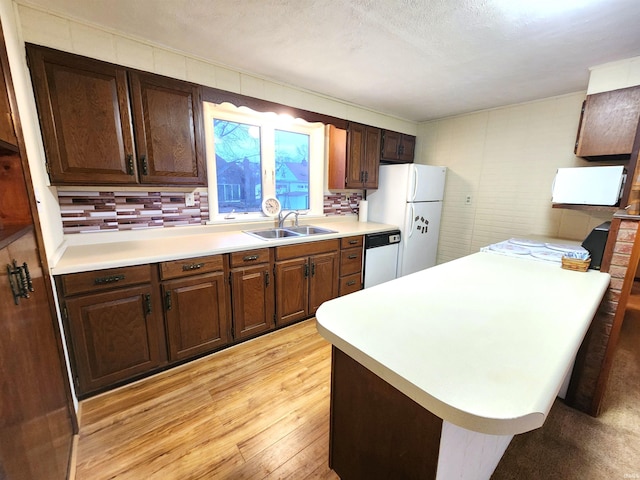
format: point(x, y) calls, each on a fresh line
point(506, 159)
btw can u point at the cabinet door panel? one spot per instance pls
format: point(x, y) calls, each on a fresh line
point(355, 156)
point(83, 106)
point(167, 116)
point(196, 315)
point(324, 280)
point(114, 336)
point(253, 300)
point(390, 145)
point(371, 161)
point(292, 291)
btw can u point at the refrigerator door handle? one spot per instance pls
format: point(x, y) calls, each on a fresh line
point(414, 174)
point(413, 221)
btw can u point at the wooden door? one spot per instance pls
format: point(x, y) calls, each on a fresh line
point(323, 284)
point(407, 148)
point(252, 296)
point(292, 291)
point(196, 315)
point(115, 336)
point(35, 422)
point(371, 159)
point(167, 118)
point(355, 156)
point(83, 105)
point(390, 145)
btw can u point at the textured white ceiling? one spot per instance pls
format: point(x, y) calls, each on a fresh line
point(415, 59)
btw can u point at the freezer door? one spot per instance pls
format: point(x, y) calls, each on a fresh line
point(419, 243)
point(426, 183)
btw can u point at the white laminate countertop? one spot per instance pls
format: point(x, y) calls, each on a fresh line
point(189, 243)
point(483, 341)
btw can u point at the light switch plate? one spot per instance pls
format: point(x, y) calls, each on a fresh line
point(190, 199)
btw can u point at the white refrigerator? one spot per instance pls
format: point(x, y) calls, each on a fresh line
point(410, 196)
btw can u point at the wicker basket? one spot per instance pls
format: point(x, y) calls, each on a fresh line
point(575, 264)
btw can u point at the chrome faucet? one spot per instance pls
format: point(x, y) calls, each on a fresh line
point(281, 219)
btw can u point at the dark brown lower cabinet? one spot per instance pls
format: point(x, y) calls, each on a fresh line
point(115, 335)
point(303, 283)
point(196, 315)
point(253, 300)
point(376, 431)
point(115, 322)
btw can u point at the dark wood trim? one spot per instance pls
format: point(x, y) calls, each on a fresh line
point(612, 237)
point(214, 95)
point(590, 208)
point(605, 368)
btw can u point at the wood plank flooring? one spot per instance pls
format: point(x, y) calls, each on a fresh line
point(258, 410)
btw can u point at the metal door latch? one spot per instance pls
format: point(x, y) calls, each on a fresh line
point(20, 281)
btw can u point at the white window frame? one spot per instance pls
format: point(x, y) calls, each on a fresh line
point(268, 123)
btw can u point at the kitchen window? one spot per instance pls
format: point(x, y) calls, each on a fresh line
point(251, 155)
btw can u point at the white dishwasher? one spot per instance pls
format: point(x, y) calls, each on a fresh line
point(380, 257)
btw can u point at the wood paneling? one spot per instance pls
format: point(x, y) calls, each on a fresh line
point(259, 410)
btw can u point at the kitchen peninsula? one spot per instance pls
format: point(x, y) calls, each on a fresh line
point(433, 373)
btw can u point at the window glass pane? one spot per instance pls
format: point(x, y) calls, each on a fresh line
point(292, 169)
point(237, 147)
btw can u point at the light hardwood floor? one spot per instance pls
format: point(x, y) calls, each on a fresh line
point(258, 410)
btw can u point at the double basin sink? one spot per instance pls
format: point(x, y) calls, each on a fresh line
point(292, 232)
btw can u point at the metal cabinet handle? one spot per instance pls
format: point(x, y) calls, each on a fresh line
point(352, 257)
point(147, 301)
point(313, 269)
point(192, 266)
point(19, 281)
point(167, 300)
point(108, 279)
point(145, 165)
point(266, 278)
point(350, 283)
point(130, 170)
point(250, 258)
point(353, 242)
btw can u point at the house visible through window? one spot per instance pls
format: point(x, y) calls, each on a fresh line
point(251, 155)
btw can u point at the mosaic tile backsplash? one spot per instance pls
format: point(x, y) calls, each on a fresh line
point(88, 212)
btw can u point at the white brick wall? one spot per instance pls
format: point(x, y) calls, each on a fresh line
point(506, 159)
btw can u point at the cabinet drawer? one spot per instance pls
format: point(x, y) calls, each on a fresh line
point(249, 257)
point(98, 280)
point(191, 266)
point(304, 249)
point(349, 284)
point(352, 242)
point(350, 261)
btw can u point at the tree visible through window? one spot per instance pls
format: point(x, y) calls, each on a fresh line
point(237, 147)
point(292, 169)
point(251, 155)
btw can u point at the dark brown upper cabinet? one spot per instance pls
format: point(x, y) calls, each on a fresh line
point(397, 147)
point(103, 124)
point(608, 125)
point(354, 157)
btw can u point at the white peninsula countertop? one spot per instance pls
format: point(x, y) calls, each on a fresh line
point(483, 342)
point(151, 246)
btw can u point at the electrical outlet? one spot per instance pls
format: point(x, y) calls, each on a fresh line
point(467, 200)
point(190, 199)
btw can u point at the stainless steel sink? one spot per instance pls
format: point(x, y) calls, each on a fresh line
point(272, 233)
point(301, 231)
point(309, 230)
